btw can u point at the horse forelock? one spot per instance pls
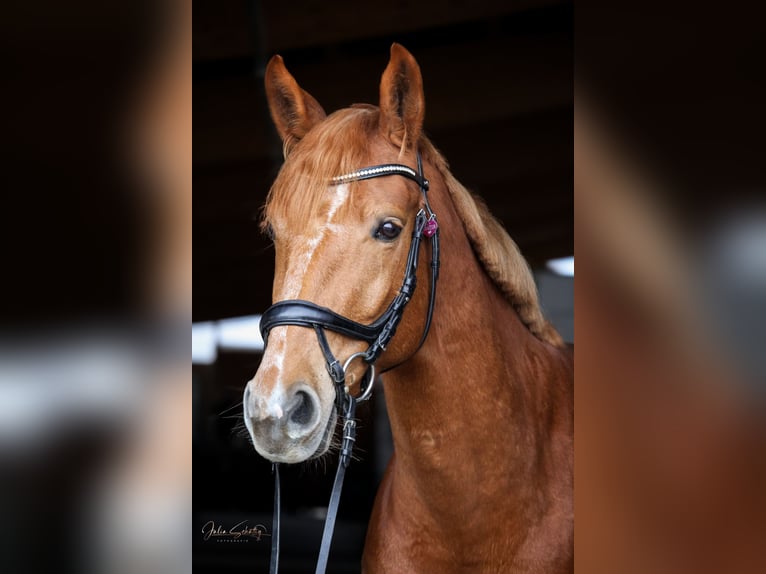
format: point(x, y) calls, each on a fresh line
point(338, 145)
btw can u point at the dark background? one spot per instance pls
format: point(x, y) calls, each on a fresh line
point(498, 79)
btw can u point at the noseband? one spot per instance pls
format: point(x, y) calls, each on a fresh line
point(377, 335)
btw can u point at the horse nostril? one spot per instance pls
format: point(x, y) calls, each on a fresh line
point(304, 409)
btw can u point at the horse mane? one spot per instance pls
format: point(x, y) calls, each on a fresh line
point(497, 252)
point(339, 145)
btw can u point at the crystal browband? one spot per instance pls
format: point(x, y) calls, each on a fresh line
point(382, 170)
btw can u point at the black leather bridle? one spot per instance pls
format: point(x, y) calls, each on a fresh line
point(378, 334)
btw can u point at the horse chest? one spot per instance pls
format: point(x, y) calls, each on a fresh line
point(405, 536)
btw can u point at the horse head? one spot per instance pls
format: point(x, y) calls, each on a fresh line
point(341, 243)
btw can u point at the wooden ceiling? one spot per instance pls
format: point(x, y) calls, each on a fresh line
point(498, 78)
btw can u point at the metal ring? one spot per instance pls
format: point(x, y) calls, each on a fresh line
point(367, 391)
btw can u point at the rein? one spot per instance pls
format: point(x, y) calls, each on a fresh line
point(377, 334)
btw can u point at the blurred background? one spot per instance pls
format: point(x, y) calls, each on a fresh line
point(670, 301)
point(498, 80)
point(95, 287)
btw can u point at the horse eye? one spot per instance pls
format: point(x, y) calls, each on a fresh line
point(269, 231)
point(388, 231)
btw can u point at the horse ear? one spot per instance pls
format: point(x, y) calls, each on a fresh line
point(293, 110)
point(402, 105)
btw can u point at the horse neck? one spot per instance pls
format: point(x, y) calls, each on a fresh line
point(473, 407)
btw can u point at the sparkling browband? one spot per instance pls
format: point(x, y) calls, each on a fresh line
point(380, 171)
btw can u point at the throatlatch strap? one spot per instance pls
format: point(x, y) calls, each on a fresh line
point(274, 566)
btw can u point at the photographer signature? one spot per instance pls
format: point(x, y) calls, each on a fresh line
point(239, 532)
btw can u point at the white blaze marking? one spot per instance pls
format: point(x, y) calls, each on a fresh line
point(301, 261)
point(275, 352)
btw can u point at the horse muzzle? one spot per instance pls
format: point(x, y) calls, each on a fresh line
point(289, 427)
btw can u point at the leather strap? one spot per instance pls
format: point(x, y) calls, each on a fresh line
point(329, 523)
point(274, 565)
point(334, 368)
point(349, 437)
point(308, 314)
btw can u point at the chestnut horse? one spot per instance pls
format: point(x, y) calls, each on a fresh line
point(481, 479)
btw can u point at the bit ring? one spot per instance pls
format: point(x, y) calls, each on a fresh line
point(367, 391)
